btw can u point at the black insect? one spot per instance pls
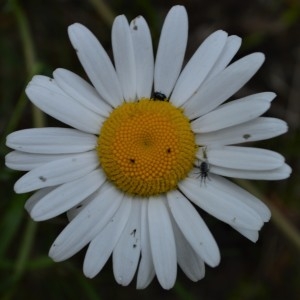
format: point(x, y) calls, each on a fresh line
point(203, 167)
point(159, 96)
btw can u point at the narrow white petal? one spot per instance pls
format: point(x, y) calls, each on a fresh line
point(23, 161)
point(225, 207)
point(37, 196)
point(162, 242)
point(62, 107)
point(231, 114)
point(66, 196)
point(146, 270)
point(58, 172)
point(74, 211)
point(171, 50)
point(124, 57)
point(217, 90)
point(262, 96)
point(193, 228)
point(189, 261)
point(196, 70)
point(233, 44)
point(87, 224)
point(127, 251)
point(81, 91)
point(276, 174)
point(258, 129)
point(103, 244)
point(251, 235)
point(96, 64)
point(144, 59)
point(244, 196)
point(243, 158)
point(51, 140)
point(52, 100)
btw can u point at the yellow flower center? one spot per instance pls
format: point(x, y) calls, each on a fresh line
point(146, 147)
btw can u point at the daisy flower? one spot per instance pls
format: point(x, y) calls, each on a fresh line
point(150, 141)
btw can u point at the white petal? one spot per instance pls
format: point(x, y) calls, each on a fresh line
point(37, 196)
point(232, 113)
point(244, 196)
point(23, 161)
point(124, 57)
point(251, 235)
point(243, 158)
point(144, 59)
point(127, 251)
point(81, 91)
point(217, 90)
point(196, 70)
point(193, 228)
point(146, 270)
point(51, 140)
point(103, 244)
point(258, 129)
point(52, 100)
point(66, 196)
point(263, 96)
point(189, 261)
point(171, 50)
point(276, 174)
point(225, 207)
point(96, 64)
point(231, 47)
point(162, 242)
point(58, 172)
point(74, 211)
point(87, 224)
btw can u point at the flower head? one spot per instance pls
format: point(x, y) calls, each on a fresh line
point(149, 142)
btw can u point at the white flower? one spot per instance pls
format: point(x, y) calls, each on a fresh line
point(128, 170)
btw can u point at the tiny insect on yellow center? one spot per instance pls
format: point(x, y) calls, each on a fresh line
point(146, 147)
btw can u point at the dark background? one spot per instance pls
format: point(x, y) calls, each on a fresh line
point(268, 269)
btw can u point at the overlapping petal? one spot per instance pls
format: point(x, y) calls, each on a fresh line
point(51, 140)
point(171, 50)
point(233, 113)
point(58, 172)
point(146, 270)
point(280, 173)
point(127, 251)
point(242, 158)
point(50, 98)
point(87, 224)
point(96, 63)
point(124, 57)
point(262, 128)
point(232, 45)
point(198, 67)
point(223, 206)
point(22, 161)
point(222, 86)
point(162, 242)
point(189, 261)
point(99, 252)
point(66, 196)
point(144, 59)
point(194, 230)
point(82, 91)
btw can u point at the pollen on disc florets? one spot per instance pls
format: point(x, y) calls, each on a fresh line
point(146, 147)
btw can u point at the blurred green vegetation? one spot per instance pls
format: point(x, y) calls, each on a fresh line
point(33, 39)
